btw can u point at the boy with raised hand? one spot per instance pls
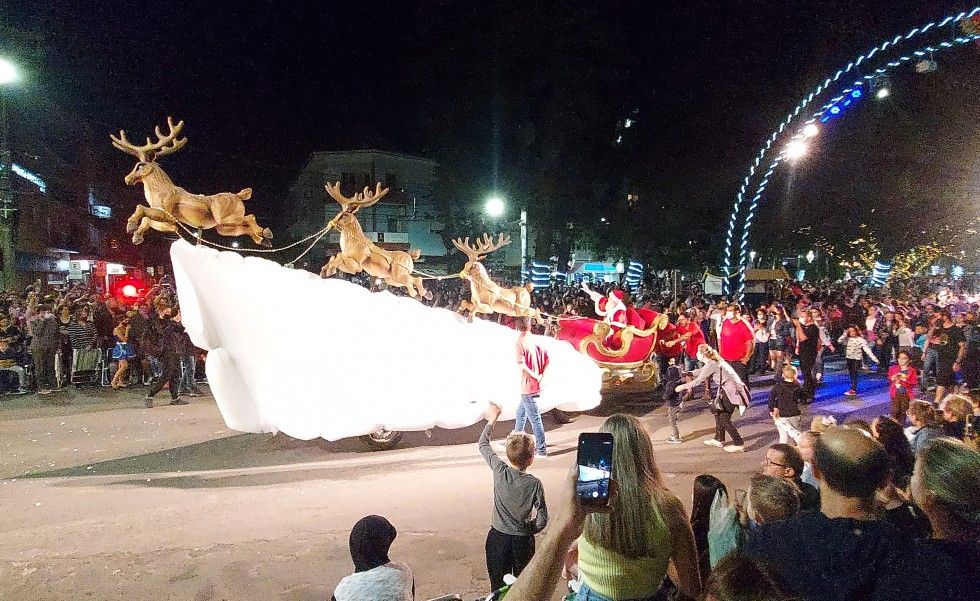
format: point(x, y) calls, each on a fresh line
point(519, 510)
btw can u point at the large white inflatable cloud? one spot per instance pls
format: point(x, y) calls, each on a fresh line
point(290, 352)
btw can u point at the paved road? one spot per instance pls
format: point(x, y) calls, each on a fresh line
point(104, 499)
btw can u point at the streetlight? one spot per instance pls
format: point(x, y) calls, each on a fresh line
point(8, 75)
point(495, 207)
point(752, 257)
point(796, 149)
point(811, 130)
point(882, 93)
point(810, 256)
point(8, 72)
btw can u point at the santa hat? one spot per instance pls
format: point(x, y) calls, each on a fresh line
point(618, 295)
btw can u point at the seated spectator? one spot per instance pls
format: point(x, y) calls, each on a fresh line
point(738, 578)
point(956, 410)
point(805, 445)
point(10, 360)
point(922, 416)
point(836, 553)
point(901, 459)
point(946, 485)
point(706, 487)
point(772, 498)
point(519, 509)
point(626, 553)
point(13, 334)
point(375, 575)
point(81, 332)
point(893, 497)
point(784, 461)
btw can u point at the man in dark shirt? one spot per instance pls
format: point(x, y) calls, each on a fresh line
point(784, 461)
point(950, 345)
point(164, 335)
point(807, 340)
point(838, 552)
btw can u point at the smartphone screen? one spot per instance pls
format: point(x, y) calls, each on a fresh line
point(594, 467)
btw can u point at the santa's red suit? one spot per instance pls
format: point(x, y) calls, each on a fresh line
point(612, 310)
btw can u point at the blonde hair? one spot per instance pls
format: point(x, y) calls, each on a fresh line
point(790, 368)
point(520, 449)
point(950, 470)
point(709, 352)
point(640, 492)
point(958, 405)
point(922, 411)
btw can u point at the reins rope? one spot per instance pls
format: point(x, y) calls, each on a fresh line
point(316, 237)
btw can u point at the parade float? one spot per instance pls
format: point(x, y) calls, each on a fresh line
point(311, 356)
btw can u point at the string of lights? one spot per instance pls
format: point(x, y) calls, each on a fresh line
point(830, 109)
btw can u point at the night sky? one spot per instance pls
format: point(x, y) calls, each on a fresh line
point(261, 84)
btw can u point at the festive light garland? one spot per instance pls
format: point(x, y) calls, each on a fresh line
point(817, 92)
point(846, 96)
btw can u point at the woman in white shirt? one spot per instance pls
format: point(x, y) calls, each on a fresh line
point(375, 576)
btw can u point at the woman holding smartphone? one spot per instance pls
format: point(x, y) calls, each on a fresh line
point(628, 552)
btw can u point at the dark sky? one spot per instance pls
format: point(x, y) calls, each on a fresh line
point(261, 84)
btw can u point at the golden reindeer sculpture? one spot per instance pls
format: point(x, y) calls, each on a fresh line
point(358, 253)
point(169, 204)
point(486, 296)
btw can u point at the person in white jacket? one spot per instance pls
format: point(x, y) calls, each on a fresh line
point(856, 347)
point(732, 393)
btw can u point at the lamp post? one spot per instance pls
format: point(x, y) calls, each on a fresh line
point(8, 74)
point(495, 207)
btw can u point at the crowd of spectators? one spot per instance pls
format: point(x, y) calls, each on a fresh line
point(52, 336)
point(883, 510)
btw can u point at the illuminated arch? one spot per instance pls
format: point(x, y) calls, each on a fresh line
point(743, 211)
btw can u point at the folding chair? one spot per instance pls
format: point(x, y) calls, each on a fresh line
point(86, 366)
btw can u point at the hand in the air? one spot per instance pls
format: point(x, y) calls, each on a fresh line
point(492, 413)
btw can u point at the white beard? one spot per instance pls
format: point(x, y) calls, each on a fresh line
point(291, 352)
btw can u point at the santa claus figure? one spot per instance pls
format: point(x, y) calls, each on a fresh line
point(611, 308)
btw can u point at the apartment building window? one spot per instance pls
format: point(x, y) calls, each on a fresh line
point(348, 181)
point(391, 180)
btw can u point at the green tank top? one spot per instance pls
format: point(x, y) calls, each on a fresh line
point(619, 577)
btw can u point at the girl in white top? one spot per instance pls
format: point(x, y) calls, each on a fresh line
point(856, 347)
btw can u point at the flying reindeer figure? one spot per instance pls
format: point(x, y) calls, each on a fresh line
point(358, 253)
point(486, 296)
point(169, 204)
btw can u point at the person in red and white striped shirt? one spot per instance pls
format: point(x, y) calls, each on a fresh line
point(533, 360)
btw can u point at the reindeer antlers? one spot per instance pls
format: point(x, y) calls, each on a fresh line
point(150, 151)
point(484, 246)
point(360, 199)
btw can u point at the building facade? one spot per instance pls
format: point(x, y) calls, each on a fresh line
point(405, 218)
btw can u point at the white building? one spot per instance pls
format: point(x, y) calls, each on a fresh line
point(405, 218)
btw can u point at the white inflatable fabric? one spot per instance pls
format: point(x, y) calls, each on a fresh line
point(290, 352)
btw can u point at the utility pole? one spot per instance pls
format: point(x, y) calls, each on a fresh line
point(6, 202)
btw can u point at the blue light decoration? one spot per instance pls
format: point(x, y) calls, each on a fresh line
point(540, 274)
point(880, 274)
point(634, 275)
point(834, 108)
point(31, 177)
point(957, 272)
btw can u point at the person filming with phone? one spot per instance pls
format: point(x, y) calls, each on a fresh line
point(637, 532)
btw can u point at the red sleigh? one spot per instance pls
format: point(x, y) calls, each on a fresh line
point(627, 353)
